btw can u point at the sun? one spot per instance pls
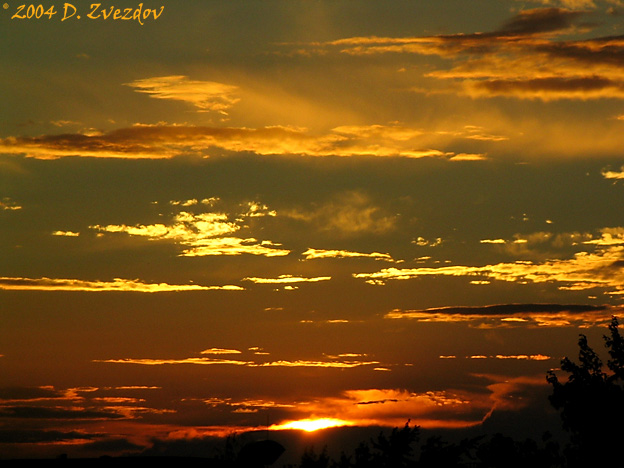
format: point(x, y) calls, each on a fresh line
point(311, 425)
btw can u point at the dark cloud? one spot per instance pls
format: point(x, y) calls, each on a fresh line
point(608, 50)
point(566, 85)
point(28, 393)
point(35, 412)
point(18, 436)
point(375, 402)
point(540, 20)
point(512, 309)
point(524, 58)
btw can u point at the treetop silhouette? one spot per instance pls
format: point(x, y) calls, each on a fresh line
point(591, 401)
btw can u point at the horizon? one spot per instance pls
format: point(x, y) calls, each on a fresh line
point(225, 217)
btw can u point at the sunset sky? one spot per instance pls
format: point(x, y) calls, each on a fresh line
point(219, 213)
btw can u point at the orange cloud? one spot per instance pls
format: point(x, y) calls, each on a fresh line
point(220, 351)
point(393, 407)
point(205, 361)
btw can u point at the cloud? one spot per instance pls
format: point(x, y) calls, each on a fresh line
point(433, 409)
point(205, 95)
point(234, 246)
point(393, 407)
point(512, 315)
point(526, 25)
point(311, 254)
point(549, 88)
point(422, 242)
point(576, 4)
point(246, 405)
point(38, 412)
point(608, 237)
point(190, 360)
point(540, 21)
point(287, 279)
point(617, 175)
point(184, 228)
point(6, 204)
point(545, 245)
point(118, 284)
point(348, 214)
point(332, 364)
point(329, 364)
point(17, 436)
point(586, 270)
point(33, 413)
point(203, 234)
point(468, 157)
point(523, 59)
point(511, 393)
point(66, 234)
point(169, 141)
point(14, 394)
point(252, 359)
point(220, 351)
point(516, 357)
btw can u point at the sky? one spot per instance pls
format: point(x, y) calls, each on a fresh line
point(226, 216)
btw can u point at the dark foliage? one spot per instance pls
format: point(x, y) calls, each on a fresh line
point(591, 403)
point(399, 449)
point(311, 460)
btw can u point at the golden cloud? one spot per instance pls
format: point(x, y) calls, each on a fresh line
point(287, 279)
point(168, 141)
point(203, 234)
point(585, 270)
point(521, 59)
point(311, 254)
point(617, 175)
point(234, 246)
point(118, 284)
point(205, 95)
point(6, 204)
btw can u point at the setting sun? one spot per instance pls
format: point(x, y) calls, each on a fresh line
point(311, 425)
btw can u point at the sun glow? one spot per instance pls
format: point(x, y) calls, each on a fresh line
point(311, 425)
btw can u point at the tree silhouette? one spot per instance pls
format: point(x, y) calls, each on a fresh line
point(310, 459)
point(363, 456)
point(395, 451)
point(591, 402)
point(438, 453)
